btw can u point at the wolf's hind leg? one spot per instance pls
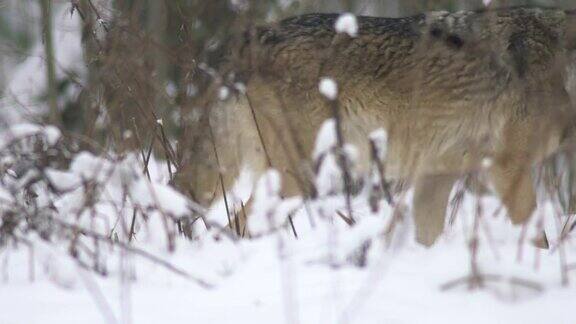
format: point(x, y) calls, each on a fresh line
point(431, 194)
point(513, 183)
point(516, 190)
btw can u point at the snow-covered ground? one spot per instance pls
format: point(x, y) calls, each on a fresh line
point(312, 279)
point(263, 288)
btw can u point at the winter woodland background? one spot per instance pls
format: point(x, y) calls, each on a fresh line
point(103, 138)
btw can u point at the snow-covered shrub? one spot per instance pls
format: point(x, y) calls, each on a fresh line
point(84, 204)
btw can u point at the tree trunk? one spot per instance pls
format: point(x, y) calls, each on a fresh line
point(51, 85)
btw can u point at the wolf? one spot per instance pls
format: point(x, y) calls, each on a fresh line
point(451, 90)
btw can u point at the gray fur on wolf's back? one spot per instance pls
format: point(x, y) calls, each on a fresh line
point(321, 25)
point(389, 50)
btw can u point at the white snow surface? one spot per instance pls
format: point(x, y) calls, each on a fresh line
point(223, 93)
point(24, 130)
point(312, 279)
point(326, 139)
point(380, 139)
point(119, 177)
point(270, 210)
point(347, 24)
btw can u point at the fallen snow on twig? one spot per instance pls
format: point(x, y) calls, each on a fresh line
point(347, 24)
point(328, 88)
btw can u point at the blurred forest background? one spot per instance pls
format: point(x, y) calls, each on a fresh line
point(139, 74)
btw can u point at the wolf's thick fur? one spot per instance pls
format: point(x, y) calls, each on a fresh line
point(449, 88)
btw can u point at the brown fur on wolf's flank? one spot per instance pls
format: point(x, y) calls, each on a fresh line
point(449, 88)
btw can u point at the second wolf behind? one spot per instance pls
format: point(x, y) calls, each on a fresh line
point(450, 89)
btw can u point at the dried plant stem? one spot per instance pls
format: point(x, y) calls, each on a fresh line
point(132, 226)
point(221, 177)
point(257, 125)
point(145, 157)
point(266, 152)
point(342, 159)
point(129, 248)
point(381, 172)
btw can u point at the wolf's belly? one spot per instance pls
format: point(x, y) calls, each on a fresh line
point(420, 144)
